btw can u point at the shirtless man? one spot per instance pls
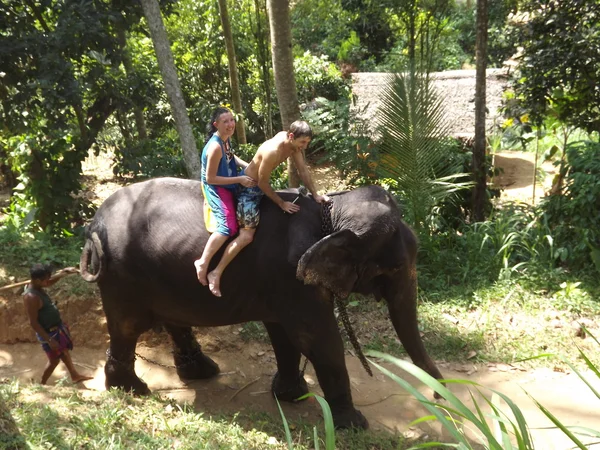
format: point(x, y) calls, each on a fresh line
point(269, 155)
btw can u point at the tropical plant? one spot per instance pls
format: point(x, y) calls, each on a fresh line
point(497, 429)
point(414, 147)
point(560, 41)
point(572, 213)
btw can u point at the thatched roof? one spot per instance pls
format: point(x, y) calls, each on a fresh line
point(456, 87)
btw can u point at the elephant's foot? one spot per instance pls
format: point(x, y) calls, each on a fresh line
point(124, 378)
point(195, 367)
point(349, 418)
point(289, 390)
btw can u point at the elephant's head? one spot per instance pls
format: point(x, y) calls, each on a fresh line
point(371, 251)
point(368, 245)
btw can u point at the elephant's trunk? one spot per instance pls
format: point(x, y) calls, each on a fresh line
point(401, 297)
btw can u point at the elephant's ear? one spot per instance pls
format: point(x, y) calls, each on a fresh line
point(331, 263)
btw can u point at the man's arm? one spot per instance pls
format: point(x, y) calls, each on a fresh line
point(32, 306)
point(306, 178)
point(268, 163)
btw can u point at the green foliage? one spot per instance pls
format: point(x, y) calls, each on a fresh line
point(561, 44)
point(414, 149)
point(572, 215)
point(320, 26)
point(341, 137)
point(19, 249)
point(317, 77)
point(151, 158)
point(351, 51)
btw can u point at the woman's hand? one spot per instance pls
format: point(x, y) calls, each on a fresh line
point(247, 181)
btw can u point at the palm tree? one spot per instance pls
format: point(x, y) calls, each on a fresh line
point(414, 145)
point(283, 70)
point(234, 79)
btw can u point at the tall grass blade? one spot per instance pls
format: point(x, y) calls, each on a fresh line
point(327, 419)
point(288, 434)
point(559, 424)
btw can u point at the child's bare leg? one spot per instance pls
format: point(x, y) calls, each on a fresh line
point(214, 243)
point(76, 377)
point(49, 369)
point(214, 278)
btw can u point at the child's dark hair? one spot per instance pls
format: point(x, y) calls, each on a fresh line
point(210, 126)
point(301, 129)
point(40, 271)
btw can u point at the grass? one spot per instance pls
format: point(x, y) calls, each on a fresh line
point(63, 417)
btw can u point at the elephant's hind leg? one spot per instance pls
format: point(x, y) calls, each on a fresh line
point(120, 363)
point(191, 363)
point(288, 383)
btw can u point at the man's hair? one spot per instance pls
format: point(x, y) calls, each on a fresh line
point(40, 271)
point(301, 129)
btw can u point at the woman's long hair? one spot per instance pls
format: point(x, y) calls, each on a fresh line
point(210, 126)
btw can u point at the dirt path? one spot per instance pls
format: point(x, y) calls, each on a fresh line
point(245, 379)
point(516, 178)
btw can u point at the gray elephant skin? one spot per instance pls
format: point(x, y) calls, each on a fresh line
point(141, 245)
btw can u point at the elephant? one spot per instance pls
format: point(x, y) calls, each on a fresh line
point(142, 242)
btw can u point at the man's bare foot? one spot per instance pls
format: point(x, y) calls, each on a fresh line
point(201, 272)
point(79, 378)
point(214, 281)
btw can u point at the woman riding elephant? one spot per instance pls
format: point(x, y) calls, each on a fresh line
point(220, 179)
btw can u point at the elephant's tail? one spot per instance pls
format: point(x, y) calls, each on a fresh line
point(92, 257)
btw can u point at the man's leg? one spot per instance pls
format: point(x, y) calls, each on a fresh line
point(214, 243)
point(214, 278)
point(75, 376)
point(49, 369)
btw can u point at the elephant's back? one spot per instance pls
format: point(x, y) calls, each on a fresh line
point(161, 217)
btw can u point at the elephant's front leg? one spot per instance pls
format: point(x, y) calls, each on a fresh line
point(191, 363)
point(322, 343)
point(288, 383)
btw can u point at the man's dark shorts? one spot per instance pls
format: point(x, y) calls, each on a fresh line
point(248, 213)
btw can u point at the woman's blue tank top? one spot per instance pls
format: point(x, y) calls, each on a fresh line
point(225, 169)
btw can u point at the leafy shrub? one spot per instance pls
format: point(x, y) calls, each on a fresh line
point(316, 77)
point(341, 137)
point(150, 158)
point(572, 215)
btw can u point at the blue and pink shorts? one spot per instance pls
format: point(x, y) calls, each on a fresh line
point(219, 210)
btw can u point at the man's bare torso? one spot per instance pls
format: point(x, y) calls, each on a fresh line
point(273, 150)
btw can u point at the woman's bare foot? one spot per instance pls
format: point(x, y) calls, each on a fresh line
point(201, 272)
point(79, 378)
point(214, 281)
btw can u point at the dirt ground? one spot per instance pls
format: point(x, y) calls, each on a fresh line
point(247, 368)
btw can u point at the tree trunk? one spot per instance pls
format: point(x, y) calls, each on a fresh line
point(283, 69)
point(138, 114)
point(172, 87)
point(234, 79)
point(479, 148)
point(262, 54)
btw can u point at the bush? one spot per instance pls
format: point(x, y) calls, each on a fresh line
point(572, 214)
point(316, 77)
point(150, 158)
point(341, 138)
